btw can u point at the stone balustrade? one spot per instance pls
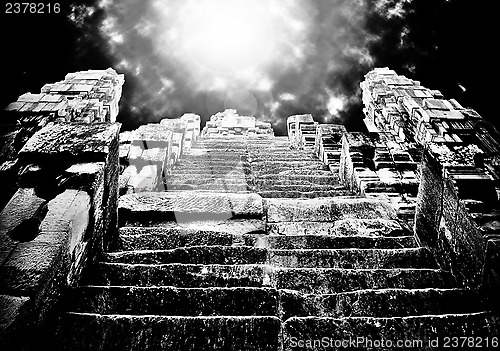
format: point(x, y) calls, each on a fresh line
point(59, 220)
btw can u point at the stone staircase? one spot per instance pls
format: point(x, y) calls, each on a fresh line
point(258, 247)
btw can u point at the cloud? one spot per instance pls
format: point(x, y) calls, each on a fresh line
point(315, 54)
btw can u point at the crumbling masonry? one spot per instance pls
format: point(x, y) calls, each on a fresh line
point(230, 238)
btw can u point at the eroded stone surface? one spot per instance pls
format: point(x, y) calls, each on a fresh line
point(234, 205)
point(327, 209)
point(80, 142)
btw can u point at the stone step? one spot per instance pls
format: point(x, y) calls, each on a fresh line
point(211, 160)
point(299, 187)
point(280, 156)
point(181, 275)
point(398, 303)
point(352, 258)
point(334, 242)
point(213, 168)
point(85, 331)
point(225, 255)
point(188, 206)
point(305, 280)
point(201, 178)
point(286, 180)
point(171, 301)
point(336, 280)
point(344, 227)
point(238, 226)
point(210, 187)
point(273, 167)
point(158, 238)
point(327, 209)
point(419, 332)
point(286, 173)
point(253, 301)
point(303, 194)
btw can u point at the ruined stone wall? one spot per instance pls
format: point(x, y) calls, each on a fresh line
point(148, 154)
point(67, 173)
point(62, 216)
point(457, 178)
point(458, 209)
point(59, 164)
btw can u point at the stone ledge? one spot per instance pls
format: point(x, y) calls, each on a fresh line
point(64, 142)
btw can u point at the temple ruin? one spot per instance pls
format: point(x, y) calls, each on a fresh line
point(174, 237)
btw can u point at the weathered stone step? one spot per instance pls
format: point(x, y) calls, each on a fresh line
point(182, 275)
point(271, 167)
point(214, 168)
point(353, 258)
point(303, 194)
point(420, 332)
point(300, 187)
point(305, 280)
point(173, 301)
point(334, 242)
point(84, 331)
point(285, 180)
point(188, 206)
point(226, 255)
point(398, 302)
point(281, 156)
point(336, 280)
point(237, 226)
point(327, 210)
point(285, 173)
point(156, 238)
point(344, 227)
point(210, 187)
point(201, 178)
point(220, 161)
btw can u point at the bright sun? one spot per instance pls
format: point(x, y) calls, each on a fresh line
point(227, 36)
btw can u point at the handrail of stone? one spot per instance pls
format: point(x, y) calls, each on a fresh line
point(59, 220)
point(457, 215)
point(59, 167)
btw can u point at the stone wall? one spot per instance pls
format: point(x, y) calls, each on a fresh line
point(57, 223)
point(457, 217)
point(59, 167)
point(458, 206)
point(148, 153)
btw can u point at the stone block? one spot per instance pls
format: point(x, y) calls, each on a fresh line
point(29, 267)
point(429, 203)
point(19, 220)
point(325, 210)
point(147, 179)
point(188, 206)
point(13, 309)
point(491, 273)
point(67, 211)
point(61, 144)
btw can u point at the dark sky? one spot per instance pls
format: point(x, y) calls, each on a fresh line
point(307, 56)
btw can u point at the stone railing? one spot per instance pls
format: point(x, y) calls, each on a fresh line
point(59, 163)
point(420, 143)
point(59, 220)
point(458, 217)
